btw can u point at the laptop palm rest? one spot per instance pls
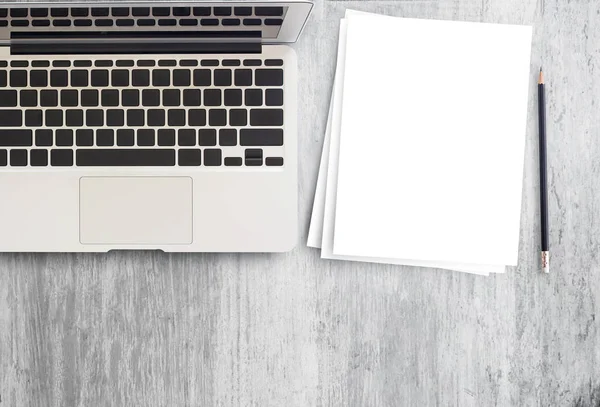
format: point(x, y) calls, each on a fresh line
point(135, 210)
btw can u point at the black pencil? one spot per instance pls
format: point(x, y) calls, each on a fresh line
point(543, 175)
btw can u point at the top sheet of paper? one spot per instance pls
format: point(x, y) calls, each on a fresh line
point(432, 140)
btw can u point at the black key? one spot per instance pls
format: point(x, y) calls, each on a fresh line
point(261, 137)
point(269, 77)
point(130, 97)
point(232, 161)
point(69, 98)
point(48, 98)
point(176, 117)
point(28, 98)
point(217, 117)
point(79, 78)
point(207, 137)
point(84, 137)
point(82, 23)
point(82, 63)
point(230, 62)
point(34, 118)
point(228, 22)
point(212, 97)
point(38, 158)
point(191, 97)
point(99, 77)
point(227, 137)
point(125, 137)
point(145, 137)
point(16, 138)
point(3, 158)
point(19, 64)
point(150, 97)
point(125, 62)
point(62, 23)
point(166, 137)
point(274, 97)
point(120, 77)
point(54, 118)
point(232, 97)
point(266, 117)
point(62, 157)
point(61, 64)
point(242, 11)
point(161, 77)
point(110, 97)
point(8, 98)
point(115, 117)
point(171, 97)
point(132, 157)
point(254, 97)
point(202, 11)
point(243, 77)
point(253, 157)
point(103, 63)
point(79, 12)
point(18, 12)
point(94, 117)
point(38, 78)
point(105, 137)
point(274, 62)
point(59, 12)
point(161, 11)
point(209, 62)
point(238, 117)
point(167, 62)
point(18, 158)
point(181, 77)
point(202, 77)
point(40, 23)
point(186, 137)
point(104, 22)
point(11, 118)
point(156, 117)
point(268, 11)
point(44, 138)
point(3, 23)
point(38, 12)
point(120, 11)
point(273, 21)
point(212, 157)
point(140, 11)
point(189, 157)
point(274, 161)
point(181, 11)
point(252, 62)
point(89, 97)
point(64, 138)
point(146, 62)
point(59, 78)
point(18, 78)
point(74, 118)
point(125, 22)
point(140, 77)
point(167, 22)
point(222, 11)
point(209, 21)
point(135, 117)
point(3, 12)
point(3, 81)
point(146, 22)
point(99, 12)
point(188, 22)
point(197, 117)
point(252, 21)
point(222, 77)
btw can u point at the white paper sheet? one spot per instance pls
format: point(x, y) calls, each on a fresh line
point(321, 226)
point(431, 157)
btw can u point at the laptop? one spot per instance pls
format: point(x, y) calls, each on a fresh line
point(149, 126)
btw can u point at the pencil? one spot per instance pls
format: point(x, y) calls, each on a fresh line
point(543, 175)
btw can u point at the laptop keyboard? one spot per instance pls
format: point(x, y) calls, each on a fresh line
point(141, 112)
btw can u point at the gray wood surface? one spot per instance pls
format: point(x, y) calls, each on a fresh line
point(153, 329)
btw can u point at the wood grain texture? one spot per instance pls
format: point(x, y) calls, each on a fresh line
point(153, 329)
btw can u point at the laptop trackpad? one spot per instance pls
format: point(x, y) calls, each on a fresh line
point(135, 210)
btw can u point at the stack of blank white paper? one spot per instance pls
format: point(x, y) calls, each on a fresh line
point(422, 161)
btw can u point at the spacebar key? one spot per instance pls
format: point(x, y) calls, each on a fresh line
point(131, 157)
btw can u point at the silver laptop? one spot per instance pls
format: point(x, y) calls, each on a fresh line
point(168, 126)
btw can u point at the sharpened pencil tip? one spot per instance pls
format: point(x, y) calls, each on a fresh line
point(541, 78)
